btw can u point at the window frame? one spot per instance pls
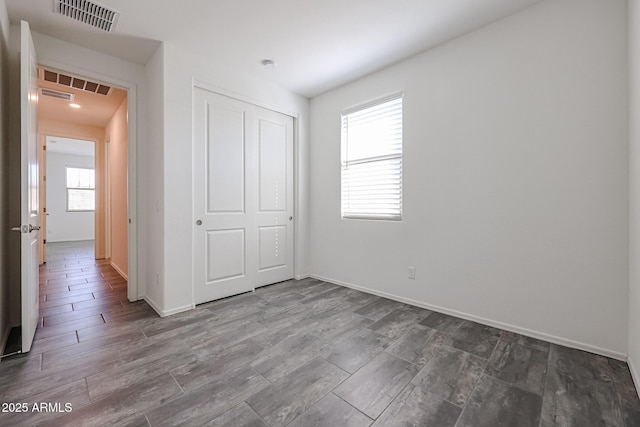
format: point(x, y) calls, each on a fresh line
point(345, 162)
point(67, 188)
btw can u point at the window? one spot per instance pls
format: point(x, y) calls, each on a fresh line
point(81, 189)
point(372, 160)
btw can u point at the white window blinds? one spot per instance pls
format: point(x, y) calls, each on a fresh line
point(81, 194)
point(372, 161)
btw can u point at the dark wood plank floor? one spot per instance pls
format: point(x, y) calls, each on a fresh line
point(299, 353)
point(76, 291)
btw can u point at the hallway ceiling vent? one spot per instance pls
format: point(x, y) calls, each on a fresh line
point(74, 82)
point(57, 94)
point(89, 12)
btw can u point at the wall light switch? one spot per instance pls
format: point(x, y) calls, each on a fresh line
point(412, 272)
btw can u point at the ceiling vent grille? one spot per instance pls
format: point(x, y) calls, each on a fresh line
point(58, 94)
point(75, 82)
point(89, 12)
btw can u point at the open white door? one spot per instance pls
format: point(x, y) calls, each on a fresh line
point(29, 182)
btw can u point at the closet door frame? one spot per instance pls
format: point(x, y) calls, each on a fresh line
point(294, 226)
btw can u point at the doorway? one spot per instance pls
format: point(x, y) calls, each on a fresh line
point(70, 193)
point(76, 112)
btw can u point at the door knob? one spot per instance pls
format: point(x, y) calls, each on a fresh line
point(290, 218)
point(25, 228)
point(198, 222)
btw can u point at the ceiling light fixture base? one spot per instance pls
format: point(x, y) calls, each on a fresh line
point(269, 64)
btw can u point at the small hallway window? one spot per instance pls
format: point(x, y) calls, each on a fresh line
point(372, 160)
point(81, 189)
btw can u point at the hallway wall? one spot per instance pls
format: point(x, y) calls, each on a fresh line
point(116, 137)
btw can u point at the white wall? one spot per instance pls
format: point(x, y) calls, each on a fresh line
point(515, 178)
point(63, 226)
point(153, 198)
point(181, 69)
point(634, 189)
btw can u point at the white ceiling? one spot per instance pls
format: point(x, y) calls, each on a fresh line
point(77, 147)
point(317, 44)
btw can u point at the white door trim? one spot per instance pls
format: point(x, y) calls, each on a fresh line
point(133, 293)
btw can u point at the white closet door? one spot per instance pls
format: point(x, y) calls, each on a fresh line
point(242, 196)
point(275, 197)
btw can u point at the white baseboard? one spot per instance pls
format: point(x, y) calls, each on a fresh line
point(165, 313)
point(120, 272)
point(635, 374)
point(301, 276)
point(507, 327)
point(177, 310)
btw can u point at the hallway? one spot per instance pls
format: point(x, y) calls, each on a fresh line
point(76, 292)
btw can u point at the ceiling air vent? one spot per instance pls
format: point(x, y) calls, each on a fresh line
point(57, 94)
point(89, 12)
point(74, 82)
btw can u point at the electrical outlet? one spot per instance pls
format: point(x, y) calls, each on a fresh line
point(412, 272)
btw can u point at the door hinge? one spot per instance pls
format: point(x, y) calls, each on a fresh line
point(44, 147)
point(44, 210)
point(44, 242)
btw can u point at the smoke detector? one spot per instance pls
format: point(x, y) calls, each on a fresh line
point(88, 12)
